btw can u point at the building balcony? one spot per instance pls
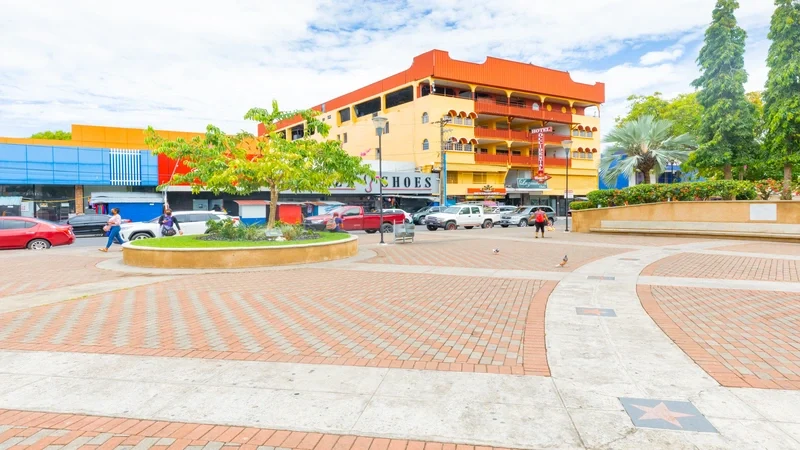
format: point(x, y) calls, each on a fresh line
point(514, 160)
point(520, 110)
point(517, 135)
point(485, 158)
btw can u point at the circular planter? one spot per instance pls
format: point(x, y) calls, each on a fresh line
point(238, 257)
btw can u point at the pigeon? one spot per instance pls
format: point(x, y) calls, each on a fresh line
point(496, 251)
point(563, 262)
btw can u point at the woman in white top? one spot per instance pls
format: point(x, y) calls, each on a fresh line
point(113, 229)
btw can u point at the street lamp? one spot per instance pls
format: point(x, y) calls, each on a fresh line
point(568, 147)
point(380, 124)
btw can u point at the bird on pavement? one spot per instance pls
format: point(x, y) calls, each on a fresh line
point(496, 251)
point(563, 262)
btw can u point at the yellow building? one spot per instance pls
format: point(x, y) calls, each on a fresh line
point(488, 111)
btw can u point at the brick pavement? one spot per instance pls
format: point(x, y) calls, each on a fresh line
point(310, 316)
point(769, 248)
point(697, 265)
point(519, 255)
point(741, 338)
point(39, 430)
point(25, 273)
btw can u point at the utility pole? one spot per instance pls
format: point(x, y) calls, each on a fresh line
point(443, 155)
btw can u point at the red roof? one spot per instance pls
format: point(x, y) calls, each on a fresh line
point(251, 202)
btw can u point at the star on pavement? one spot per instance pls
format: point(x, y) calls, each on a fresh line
point(661, 412)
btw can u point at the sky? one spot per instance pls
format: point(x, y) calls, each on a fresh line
point(180, 65)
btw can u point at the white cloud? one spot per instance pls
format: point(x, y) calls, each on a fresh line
point(650, 58)
point(182, 64)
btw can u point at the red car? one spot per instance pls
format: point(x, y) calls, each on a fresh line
point(35, 234)
point(354, 218)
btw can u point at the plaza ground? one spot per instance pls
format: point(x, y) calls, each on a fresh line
point(638, 342)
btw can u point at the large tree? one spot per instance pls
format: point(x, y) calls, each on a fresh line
point(782, 95)
point(683, 111)
point(727, 136)
point(245, 163)
point(643, 145)
point(57, 135)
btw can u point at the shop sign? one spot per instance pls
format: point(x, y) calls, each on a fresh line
point(394, 183)
point(528, 183)
point(487, 191)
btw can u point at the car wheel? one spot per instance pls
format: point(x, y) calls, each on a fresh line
point(371, 231)
point(451, 226)
point(504, 226)
point(140, 236)
point(487, 224)
point(38, 244)
point(432, 228)
point(523, 223)
point(387, 228)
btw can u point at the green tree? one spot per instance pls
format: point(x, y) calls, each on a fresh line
point(782, 95)
point(726, 135)
point(684, 111)
point(55, 135)
point(244, 163)
point(643, 145)
point(643, 105)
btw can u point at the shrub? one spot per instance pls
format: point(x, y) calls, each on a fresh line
point(225, 230)
point(577, 206)
point(653, 193)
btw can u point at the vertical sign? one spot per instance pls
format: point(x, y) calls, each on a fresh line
point(541, 176)
point(541, 152)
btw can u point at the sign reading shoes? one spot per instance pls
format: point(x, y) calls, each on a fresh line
point(395, 183)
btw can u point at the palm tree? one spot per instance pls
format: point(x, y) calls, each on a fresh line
point(643, 145)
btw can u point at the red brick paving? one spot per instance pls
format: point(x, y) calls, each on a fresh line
point(416, 321)
point(741, 338)
point(77, 430)
point(478, 254)
point(26, 273)
point(697, 265)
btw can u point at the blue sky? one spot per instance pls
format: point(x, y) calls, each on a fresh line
point(183, 64)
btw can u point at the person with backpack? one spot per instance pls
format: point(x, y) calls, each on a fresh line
point(540, 221)
point(335, 224)
point(168, 224)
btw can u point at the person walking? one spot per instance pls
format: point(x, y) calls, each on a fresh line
point(168, 224)
point(540, 221)
point(113, 227)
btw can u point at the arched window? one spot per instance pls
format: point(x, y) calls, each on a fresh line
point(425, 117)
point(535, 106)
point(425, 144)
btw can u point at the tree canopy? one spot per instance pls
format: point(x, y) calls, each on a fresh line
point(727, 135)
point(55, 135)
point(245, 163)
point(782, 95)
point(643, 145)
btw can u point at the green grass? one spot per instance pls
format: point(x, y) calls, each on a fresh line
point(194, 242)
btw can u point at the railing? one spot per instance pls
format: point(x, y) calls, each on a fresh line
point(488, 133)
point(516, 135)
point(516, 109)
point(521, 160)
point(485, 158)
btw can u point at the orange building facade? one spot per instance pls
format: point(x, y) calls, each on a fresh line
point(472, 123)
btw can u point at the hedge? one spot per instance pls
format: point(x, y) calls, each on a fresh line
point(654, 193)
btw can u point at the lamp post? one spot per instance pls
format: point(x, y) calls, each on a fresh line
point(568, 147)
point(380, 124)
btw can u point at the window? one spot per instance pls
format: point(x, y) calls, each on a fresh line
point(339, 137)
point(323, 110)
point(576, 133)
point(425, 145)
point(464, 211)
point(458, 146)
point(15, 224)
point(400, 97)
point(589, 134)
point(468, 121)
point(344, 115)
point(368, 107)
point(589, 155)
point(475, 210)
point(344, 136)
point(535, 107)
point(329, 116)
point(425, 118)
point(452, 177)
point(468, 147)
point(458, 120)
point(478, 178)
point(583, 134)
point(386, 128)
point(577, 155)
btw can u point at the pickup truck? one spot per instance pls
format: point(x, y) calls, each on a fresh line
point(467, 216)
point(354, 218)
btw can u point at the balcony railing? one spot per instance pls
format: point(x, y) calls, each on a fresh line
point(521, 160)
point(485, 158)
point(516, 135)
point(519, 109)
point(527, 161)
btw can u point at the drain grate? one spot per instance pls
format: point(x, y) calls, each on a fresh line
point(598, 312)
point(629, 259)
point(598, 277)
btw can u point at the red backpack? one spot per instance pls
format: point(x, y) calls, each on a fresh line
point(541, 216)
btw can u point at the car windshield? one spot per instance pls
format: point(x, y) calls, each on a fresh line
point(423, 209)
point(521, 210)
point(452, 210)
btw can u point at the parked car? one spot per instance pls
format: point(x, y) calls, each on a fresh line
point(34, 234)
point(419, 216)
point(191, 222)
point(89, 224)
point(521, 217)
point(397, 211)
point(495, 213)
point(467, 216)
point(354, 218)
